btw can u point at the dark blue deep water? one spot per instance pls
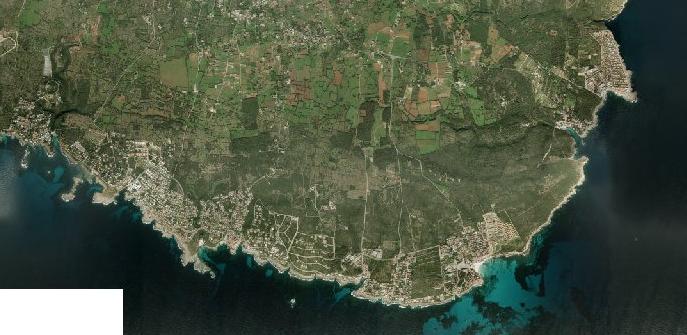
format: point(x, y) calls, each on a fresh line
point(614, 261)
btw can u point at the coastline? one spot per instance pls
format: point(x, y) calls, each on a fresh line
point(541, 227)
point(107, 195)
point(186, 257)
point(629, 96)
point(626, 93)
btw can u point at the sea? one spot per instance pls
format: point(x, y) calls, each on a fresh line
point(613, 260)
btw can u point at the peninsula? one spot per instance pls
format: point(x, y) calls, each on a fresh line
point(393, 144)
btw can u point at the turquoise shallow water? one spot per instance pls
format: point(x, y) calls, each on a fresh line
point(512, 306)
